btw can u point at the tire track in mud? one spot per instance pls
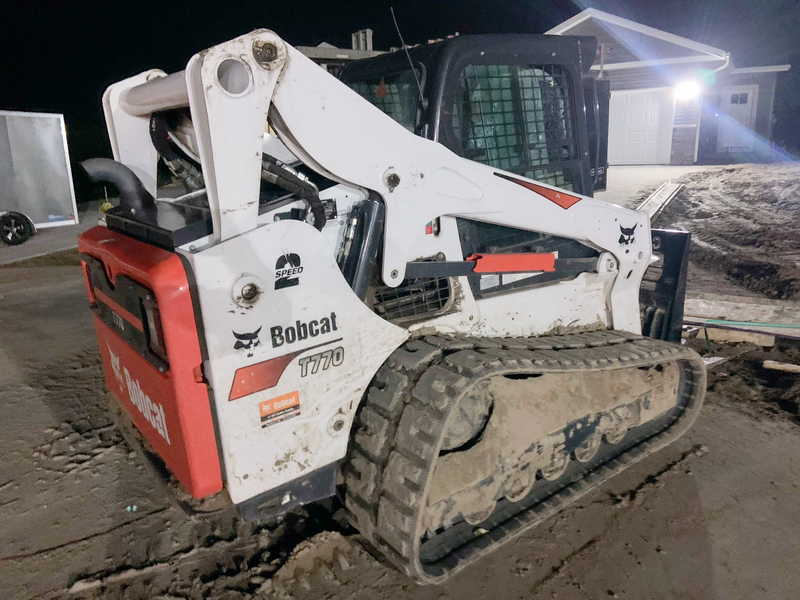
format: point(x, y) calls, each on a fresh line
point(655, 480)
point(78, 541)
point(66, 456)
point(241, 563)
point(623, 501)
point(333, 565)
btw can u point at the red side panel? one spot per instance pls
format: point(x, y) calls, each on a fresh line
point(171, 409)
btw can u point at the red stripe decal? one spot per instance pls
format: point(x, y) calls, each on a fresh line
point(563, 199)
point(264, 375)
point(513, 263)
point(128, 316)
point(260, 376)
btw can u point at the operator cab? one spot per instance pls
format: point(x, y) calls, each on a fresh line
point(522, 103)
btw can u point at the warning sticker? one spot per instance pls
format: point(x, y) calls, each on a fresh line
point(381, 91)
point(279, 409)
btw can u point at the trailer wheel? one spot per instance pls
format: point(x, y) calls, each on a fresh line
point(15, 228)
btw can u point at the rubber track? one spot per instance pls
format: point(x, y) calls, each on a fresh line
point(399, 427)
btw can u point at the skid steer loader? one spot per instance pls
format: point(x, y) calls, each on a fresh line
point(340, 307)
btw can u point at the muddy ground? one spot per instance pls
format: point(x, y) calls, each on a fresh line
point(744, 220)
point(715, 516)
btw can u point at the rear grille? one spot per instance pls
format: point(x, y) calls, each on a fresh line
point(416, 298)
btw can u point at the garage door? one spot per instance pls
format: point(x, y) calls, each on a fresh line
point(640, 127)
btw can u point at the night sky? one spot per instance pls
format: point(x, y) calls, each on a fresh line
point(58, 56)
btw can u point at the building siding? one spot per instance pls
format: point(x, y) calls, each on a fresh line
point(683, 143)
point(762, 147)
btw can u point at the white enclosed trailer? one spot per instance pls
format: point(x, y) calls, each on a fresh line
point(36, 188)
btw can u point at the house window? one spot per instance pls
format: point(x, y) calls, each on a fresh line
point(739, 98)
point(517, 118)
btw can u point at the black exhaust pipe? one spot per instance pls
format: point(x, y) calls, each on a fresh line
point(132, 195)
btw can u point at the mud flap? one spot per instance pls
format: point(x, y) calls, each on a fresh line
point(663, 290)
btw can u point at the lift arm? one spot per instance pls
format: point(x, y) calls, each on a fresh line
point(231, 90)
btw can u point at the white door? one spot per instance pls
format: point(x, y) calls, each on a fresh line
point(640, 127)
point(737, 118)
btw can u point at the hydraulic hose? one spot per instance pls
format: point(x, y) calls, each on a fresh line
point(162, 138)
point(281, 176)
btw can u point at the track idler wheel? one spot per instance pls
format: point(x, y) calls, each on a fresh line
point(556, 468)
point(588, 448)
point(521, 484)
point(616, 436)
point(479, 517)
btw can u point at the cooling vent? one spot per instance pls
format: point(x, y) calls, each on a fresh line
point(412, 299)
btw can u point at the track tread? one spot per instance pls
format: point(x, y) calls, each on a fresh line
point(400, 424)
point(376, 425)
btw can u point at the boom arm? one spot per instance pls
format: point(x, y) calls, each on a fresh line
point(232, 88)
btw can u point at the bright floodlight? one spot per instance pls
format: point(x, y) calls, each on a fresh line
point(687, 90)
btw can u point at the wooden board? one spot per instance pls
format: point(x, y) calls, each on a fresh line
point(774, 317)
point(658, 200)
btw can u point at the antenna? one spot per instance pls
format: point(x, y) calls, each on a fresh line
point(410, 62)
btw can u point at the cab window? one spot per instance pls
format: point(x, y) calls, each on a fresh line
point(397, 95)
point(517, 118)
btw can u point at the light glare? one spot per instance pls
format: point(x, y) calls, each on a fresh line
point(687, 90)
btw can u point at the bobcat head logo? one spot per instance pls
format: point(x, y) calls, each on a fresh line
point(627, 235)
point(246, 342)
point(115, 364)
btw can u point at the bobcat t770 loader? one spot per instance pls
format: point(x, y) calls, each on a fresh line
point(373, 289)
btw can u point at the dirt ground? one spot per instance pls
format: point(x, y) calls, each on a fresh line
point(714, 516)
point(744, 220)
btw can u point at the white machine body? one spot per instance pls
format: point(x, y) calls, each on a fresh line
point(330, 341)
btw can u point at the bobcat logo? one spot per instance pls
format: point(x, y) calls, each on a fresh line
point(288, 264)
point(115, 364)
point(246, 341)
point(627, 235)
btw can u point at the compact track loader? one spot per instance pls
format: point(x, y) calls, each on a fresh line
point(335, 306)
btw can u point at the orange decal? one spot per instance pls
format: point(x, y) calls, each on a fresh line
point(279, 409)
point(563, 199)
point(381, 91)
point(89, 286)
point(266, 374)
point(260, 376)
point(513, 263)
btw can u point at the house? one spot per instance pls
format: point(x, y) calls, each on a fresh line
point(674, 100)
point(333, 59)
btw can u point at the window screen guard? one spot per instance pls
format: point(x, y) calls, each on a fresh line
point(518, 118)
point(395, 94)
